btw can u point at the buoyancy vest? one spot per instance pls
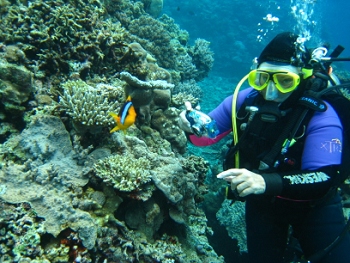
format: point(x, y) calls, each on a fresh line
point(258, 137)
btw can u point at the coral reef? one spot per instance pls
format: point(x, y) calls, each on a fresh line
point(90, 106)
point(189, 87)
point(46, 177)
point(165, 121)
point(124, 172)
point(20, 232)
point(16, 86)
point(93, 38)
point(51, 171)
point(69, 190)
point(203, 58)
point(74, 32)
point(232, 217)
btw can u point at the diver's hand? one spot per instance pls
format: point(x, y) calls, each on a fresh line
point(244, 181)
point(184, 124)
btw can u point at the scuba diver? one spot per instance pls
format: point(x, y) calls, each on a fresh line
point(287, 152)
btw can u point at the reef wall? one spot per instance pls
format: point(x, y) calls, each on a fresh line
point(70, 191)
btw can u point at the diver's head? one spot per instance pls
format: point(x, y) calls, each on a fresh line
point(281, 67)
point(287, 48)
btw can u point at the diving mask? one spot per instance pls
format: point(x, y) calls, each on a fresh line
point(285, 81)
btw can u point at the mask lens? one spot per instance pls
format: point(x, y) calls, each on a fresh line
point(284, 81)
point(258, 79)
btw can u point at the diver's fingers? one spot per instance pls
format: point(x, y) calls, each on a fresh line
point(184, 124)
point(237, 181)
point(228, 178)
point(229, 172)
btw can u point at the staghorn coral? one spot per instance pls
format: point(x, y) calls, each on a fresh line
point(124, 172)
point(90, 106)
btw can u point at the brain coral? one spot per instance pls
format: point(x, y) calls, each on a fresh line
point(124, 172)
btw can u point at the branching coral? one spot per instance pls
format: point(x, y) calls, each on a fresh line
point(185, 65)
point(90, 106)
point(124, 172)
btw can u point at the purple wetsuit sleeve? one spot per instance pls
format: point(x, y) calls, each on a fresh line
point(223, 117)
point(323, 144)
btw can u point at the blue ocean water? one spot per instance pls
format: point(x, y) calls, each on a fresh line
point(238, 30)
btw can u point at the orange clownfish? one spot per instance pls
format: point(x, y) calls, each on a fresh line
point(126, 116)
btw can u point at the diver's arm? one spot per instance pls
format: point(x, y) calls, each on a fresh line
point(300, 185)
point(321, 157)
point(223, 117)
